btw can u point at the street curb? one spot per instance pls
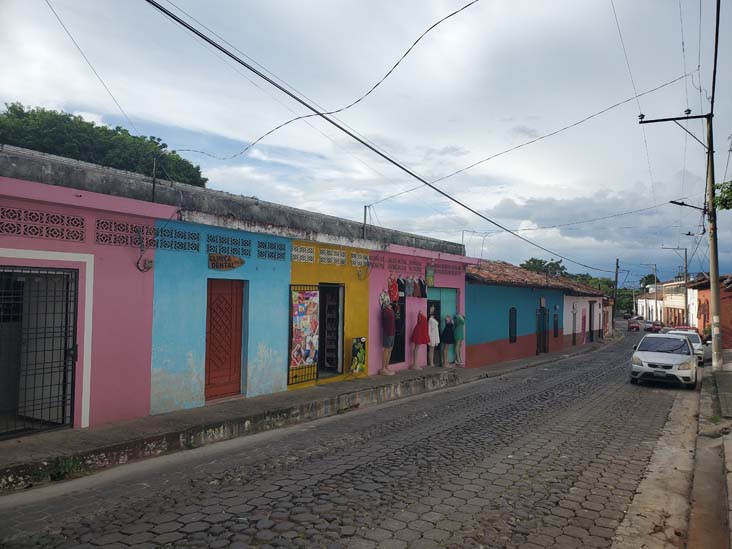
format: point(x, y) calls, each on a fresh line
point(72, 465)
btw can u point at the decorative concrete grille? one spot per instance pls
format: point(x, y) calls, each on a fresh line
point(359, 260)
point(448, 269)
point(376, 261)
point(274, 251)
point(120, 233)
point(228, 245)
point(332, 257)
point(38, 224)
point(303, 254)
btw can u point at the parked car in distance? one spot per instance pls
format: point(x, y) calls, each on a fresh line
point(647, 325)
point(634, 326)
point(657, 326)
point(666, 358)
point(702, 350)
point(626, 315)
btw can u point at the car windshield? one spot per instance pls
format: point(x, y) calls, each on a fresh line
point(664, 345)
point(694, 338)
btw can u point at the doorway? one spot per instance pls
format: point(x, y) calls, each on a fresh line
point(542, 340)
point(574, 326)
point(224, 338)
point(447, 300)
point(398, 352)
point(38, 315)
point(592, 321)
point(330, 360)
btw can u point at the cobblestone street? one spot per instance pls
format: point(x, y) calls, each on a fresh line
point(544, 457)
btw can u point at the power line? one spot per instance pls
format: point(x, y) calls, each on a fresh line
point(373, 148)
point(346, 107)
point(536, 139)
point(635, 91)
point(101, 80)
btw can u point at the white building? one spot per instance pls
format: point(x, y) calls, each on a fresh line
point(650, 306)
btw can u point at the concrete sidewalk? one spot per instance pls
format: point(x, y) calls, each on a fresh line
point(56, 455)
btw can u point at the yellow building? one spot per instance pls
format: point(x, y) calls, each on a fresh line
point(329, 304)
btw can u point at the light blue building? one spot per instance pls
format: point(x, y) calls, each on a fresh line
point(219, 328)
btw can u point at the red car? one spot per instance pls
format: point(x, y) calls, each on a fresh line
point(656, 327)
point(634, 326)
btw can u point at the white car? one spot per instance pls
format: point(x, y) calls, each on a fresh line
point(664, 357)
point(702, 350)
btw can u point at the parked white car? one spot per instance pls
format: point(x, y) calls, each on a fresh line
point(702, 350)
point(664, 357)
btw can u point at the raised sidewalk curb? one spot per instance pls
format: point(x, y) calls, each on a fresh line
point(56, 455)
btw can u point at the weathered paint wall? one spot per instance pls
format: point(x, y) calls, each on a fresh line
point(410, 262)
point(92, 233)
point(488, 309)
point(179, 317)
point(581, 306)
point(355, 279)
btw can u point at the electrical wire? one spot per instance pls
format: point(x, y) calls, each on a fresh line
point(635, 91)
point(536, 139)
point(101, 81)
point(373, 148)
point(341, 109)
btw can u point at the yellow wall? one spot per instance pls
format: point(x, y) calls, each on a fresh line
point(356, 292)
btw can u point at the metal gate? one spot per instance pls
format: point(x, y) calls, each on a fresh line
point(38, 312)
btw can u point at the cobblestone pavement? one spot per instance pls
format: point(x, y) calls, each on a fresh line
point(549, 456)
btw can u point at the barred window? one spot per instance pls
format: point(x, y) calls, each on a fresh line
point(512, 325)
point(359, 260)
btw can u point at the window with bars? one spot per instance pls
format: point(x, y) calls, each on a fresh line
point(359, 260)
point(228, 245)
point(274, 251)
point(512, 336)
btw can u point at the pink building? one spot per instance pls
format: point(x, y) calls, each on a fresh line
point(438, 279)
point(70, 260)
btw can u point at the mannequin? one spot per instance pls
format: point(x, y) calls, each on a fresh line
point(388, 329)
point(434, 335)
point(448, 339)
point(420, 336)
point(459, 338)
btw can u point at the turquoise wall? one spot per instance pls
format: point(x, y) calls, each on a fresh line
point(179, 314)
point(486, 310)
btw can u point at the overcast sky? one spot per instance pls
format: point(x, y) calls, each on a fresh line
point(497, 74)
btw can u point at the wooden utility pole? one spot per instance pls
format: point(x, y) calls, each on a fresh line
point(711, 207)
point(615, 292)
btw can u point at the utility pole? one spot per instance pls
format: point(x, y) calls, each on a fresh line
point(711, 208)
point(686, 281)
point(615, 292)
point(365, 209)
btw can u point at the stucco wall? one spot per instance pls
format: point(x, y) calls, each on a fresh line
point(179, 319)
point(488, 308)
point(581, 305)
point(354, 278)
point(112, 376)
point(448, 274)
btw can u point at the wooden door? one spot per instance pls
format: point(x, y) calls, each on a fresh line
point(223, 338)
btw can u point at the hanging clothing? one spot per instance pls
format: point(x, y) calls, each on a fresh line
point(388, 321)
point(459, 327)
point(421, 335)
point(422, 287)
point(393, 288)
point(448, 333)
point(434, 331)
point(409, 287)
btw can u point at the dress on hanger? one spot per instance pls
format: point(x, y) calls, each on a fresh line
point(420, 335)
point(448, 333)
point(434, 332)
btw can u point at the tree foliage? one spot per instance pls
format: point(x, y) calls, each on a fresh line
point(542, 266)
point(648, 280)
point(65, 134)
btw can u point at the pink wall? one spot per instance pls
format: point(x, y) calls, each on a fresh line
point(401, 261)
point(122, 296)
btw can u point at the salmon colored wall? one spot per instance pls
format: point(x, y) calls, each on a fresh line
point(356, 293)
point(121, 307)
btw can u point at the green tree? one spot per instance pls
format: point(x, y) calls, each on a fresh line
point(65, 134)
point(648, 280)
point(542, 266)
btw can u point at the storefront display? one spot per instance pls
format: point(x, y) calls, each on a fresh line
point(305, 334)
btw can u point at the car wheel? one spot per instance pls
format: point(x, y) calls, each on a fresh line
point(691, 386)
point(634, 381)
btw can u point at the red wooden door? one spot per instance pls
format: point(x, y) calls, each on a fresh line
point(223, 338)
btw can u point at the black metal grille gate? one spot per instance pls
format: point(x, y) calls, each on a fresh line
point(38, 311)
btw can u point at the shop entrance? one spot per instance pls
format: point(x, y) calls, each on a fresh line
point(224, 338)
point(592, 321)
point(316, 332)
point(330, 360)
point(37, 349)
